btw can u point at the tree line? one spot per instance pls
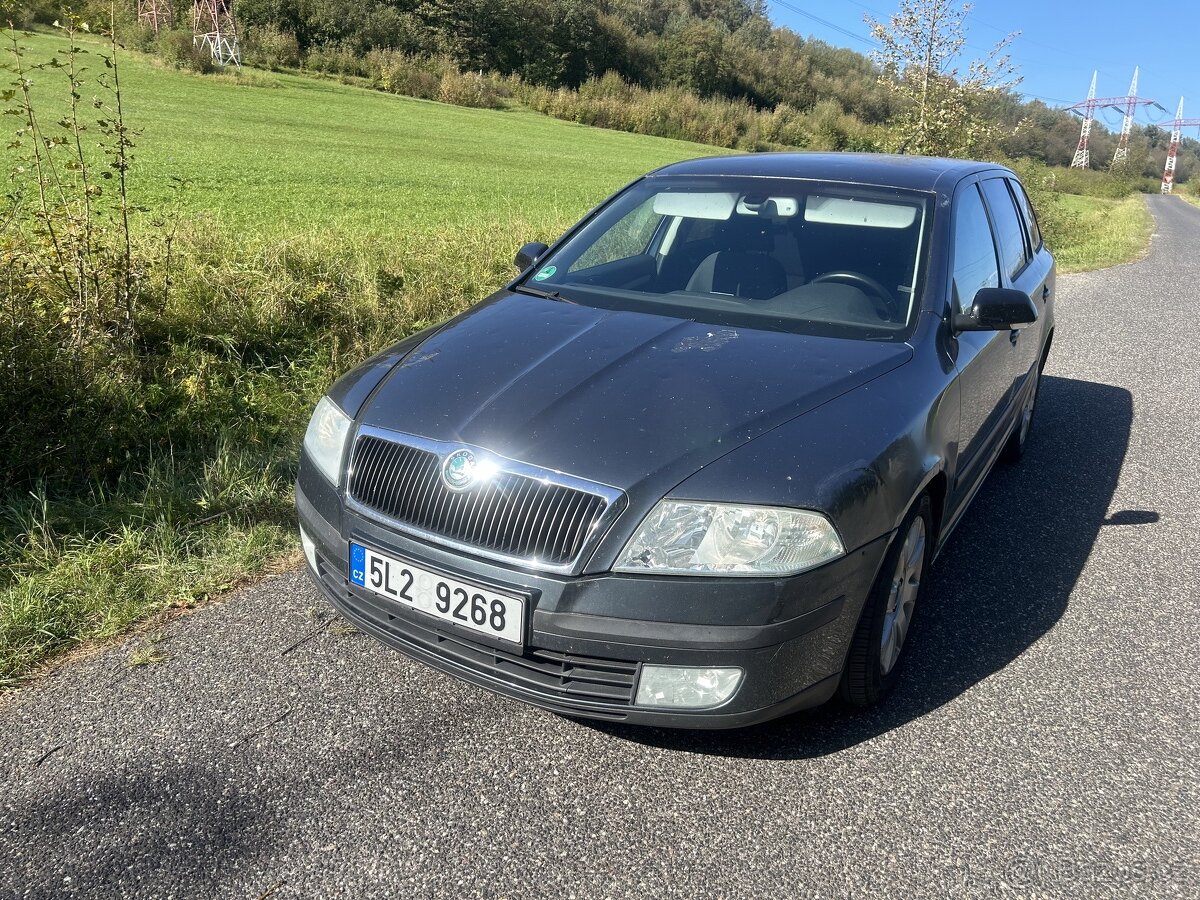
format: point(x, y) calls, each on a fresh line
point(725, 50)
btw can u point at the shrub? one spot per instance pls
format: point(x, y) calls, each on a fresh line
point(72, 281)
point(610, 102)
point(469, 89)
point(1095, 183)
point(1045, 188)
point(336, 59)
point(271, 48)
point(177, 48)
point(412, 76)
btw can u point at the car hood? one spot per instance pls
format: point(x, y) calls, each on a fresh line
point(631, 400)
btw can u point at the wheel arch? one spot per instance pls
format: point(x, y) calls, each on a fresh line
point(1046, 351)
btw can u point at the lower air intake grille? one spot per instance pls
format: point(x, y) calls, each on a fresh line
point(556, 677)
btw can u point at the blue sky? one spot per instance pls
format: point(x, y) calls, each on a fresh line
point(1059, 46)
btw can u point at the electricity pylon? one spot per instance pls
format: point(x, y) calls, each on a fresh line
point(156, 14)
point(1082, 156)
point(213, 27)
point(1177, 127)
point(1131, 99)
point(1126, 105)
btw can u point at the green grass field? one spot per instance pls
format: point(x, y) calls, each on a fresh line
point(270, 154)
point(318, 222)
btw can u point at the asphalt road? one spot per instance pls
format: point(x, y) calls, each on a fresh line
point(1044, 741)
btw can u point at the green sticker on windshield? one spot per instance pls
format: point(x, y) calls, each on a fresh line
point(545, 273)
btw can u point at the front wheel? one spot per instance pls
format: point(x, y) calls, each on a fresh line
point(879, 640)
point(1014, 449)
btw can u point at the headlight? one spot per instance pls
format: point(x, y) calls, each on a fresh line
point(325, 439)
point(686, 537)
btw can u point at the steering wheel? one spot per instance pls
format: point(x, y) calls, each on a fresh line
point(885, 302)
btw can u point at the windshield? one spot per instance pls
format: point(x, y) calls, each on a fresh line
point(780, 254)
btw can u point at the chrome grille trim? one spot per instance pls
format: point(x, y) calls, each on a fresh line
point(527, 515)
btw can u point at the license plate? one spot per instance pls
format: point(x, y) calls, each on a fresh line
point(467, 605)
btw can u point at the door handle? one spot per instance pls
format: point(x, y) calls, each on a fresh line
point(1045, 292)
point(1013, 335)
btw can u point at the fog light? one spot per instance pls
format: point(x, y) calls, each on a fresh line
point(310, 549)
point(687, 688)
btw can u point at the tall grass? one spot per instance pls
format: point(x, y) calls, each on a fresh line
point(158, 373)
point(87, 564)
point(610, 102)
point(1105, 233)
point(191, 455)
point(1090, 220)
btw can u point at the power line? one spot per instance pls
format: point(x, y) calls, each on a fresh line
point(850, 34)
point(838, 28)
point(1056, 50)
point(1047, 99)
point(790, 7)
point(883, 15)
point(1018, 33)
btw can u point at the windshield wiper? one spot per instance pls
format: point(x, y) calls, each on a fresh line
point(544, 294)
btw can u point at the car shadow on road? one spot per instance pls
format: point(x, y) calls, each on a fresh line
point(1002, 581)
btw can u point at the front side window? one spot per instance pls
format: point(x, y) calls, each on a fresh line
point(778, 254)
point(1008, 225)
point(974, 250)
point(627, 238)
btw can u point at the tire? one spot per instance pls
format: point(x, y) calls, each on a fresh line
point(873, 663)
point(1014, 447)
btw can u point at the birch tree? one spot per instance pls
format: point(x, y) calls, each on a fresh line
point(943, 95)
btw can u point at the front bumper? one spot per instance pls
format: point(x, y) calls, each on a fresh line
point(589, 635)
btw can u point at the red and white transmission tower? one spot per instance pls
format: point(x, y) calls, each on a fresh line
point(1127, 105)
point(213, 27)
point(156, 14)
point(1177, 127)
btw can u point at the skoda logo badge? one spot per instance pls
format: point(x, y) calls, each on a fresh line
point(458, 470)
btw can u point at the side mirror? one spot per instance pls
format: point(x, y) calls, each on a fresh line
point(529, 254)
point(997, 309)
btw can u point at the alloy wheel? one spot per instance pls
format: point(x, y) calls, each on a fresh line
point(1027, 409)
point(902, 598)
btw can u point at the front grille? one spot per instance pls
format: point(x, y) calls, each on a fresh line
point(509, 514)
point(557, 677)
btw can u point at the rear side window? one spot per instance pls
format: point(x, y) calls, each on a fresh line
point(974, 251)
point(1009, 230)
point(1031, 222)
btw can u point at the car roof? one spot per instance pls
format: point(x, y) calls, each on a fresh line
point(921, 173)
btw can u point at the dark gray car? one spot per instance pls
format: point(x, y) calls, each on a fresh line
point(690, 468)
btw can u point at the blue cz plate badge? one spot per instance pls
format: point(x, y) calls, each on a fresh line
point(466, 605)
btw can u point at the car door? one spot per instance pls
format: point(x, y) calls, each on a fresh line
point(1037, 280)
point(984, 359)
point(1018, 270)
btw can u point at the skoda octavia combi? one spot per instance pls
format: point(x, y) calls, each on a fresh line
point(691, 467)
